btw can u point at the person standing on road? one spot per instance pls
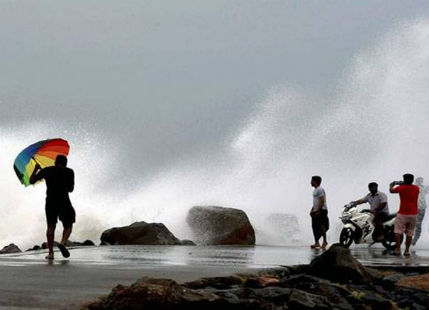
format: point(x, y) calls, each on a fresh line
point(406, 217)
point(319, 214)
point(59, 183)
point(379, 207)
point(424, 190)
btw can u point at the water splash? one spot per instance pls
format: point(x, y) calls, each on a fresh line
point(373, 128)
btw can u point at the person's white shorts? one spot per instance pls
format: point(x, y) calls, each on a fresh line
point(405, 224)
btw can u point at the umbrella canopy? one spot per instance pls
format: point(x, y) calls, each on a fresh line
point(43, 152)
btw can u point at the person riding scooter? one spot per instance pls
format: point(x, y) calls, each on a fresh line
point(379, 207)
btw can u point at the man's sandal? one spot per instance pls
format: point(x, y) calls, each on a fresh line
point(64, 250)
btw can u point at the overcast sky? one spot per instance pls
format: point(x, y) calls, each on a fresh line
point(168, 80)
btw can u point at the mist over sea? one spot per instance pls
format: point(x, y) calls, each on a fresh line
point(184, 114)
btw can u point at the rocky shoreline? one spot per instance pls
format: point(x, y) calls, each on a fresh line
point(333, 280)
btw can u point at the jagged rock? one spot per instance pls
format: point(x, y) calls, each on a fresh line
point(155, 294)
point(34, 248)
point(77, 243)
point(299, 269)
point(73, 243)
point(88, 243)
point(187, 242)
point(371, 299)
point(296, 292)
point(140, 233)
point(278, 272)
point(215, 282)
point(338, 265)
point(389, 282)
point(273, 294)
point(334, 293)
point(44, 245)
point(420, 282)
point(11, 248)
point(302, 300)
point(220, 226)
point(261, 281)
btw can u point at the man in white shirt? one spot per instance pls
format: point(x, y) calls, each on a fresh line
point(378, 206)
point(319, 214)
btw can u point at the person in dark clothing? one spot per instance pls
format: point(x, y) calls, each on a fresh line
point(319, 214)
point(59, 183)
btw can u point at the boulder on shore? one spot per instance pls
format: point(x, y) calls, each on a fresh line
point(76, 243)
point(44, 245)
point(139, 233)
point(220, 226)
point(34, 248)
point(11, 248)
point(88, 243)
point(337, 264)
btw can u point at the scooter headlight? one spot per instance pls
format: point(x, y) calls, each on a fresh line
point(345, 216)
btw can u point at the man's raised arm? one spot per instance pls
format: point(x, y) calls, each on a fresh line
point(392, 187)
point(35, 176)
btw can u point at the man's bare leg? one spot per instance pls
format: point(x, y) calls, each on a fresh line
point(66, 234)
point(316, 232)
point(50, 235)
point(62, 245)
point(407, 245)
point(398, 240)
point(316, 241)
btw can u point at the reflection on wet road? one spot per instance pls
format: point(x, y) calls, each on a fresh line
point(141, 257)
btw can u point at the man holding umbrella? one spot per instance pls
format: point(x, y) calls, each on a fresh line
point(59, 182)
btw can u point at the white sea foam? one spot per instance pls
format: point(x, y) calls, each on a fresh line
point(373, 128)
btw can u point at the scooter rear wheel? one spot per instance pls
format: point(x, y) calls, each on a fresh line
point(389, 239)
point(346, 237)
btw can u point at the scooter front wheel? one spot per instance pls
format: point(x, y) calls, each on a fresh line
point(346, 237)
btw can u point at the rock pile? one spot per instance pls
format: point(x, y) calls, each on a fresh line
point(286, 288)
point(11, 248)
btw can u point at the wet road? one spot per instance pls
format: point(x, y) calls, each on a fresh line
point(30, 282)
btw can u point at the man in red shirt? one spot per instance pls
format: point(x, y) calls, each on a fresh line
point(406, 217)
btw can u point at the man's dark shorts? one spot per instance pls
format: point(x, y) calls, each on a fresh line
point(60, 209)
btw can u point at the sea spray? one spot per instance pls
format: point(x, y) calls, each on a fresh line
point(373, 127)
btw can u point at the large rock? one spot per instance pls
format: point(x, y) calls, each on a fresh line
point(11, 248)
point(420, 282)
point(155, 294)
point(35, 248)
point(140, 233)
point(220, 226)
point(306, 301)
point(337, 264)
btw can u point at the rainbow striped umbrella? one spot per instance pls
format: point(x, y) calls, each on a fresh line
point(43, 152)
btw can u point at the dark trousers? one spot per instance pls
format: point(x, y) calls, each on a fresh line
point(379, 219)
point(320, 224)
